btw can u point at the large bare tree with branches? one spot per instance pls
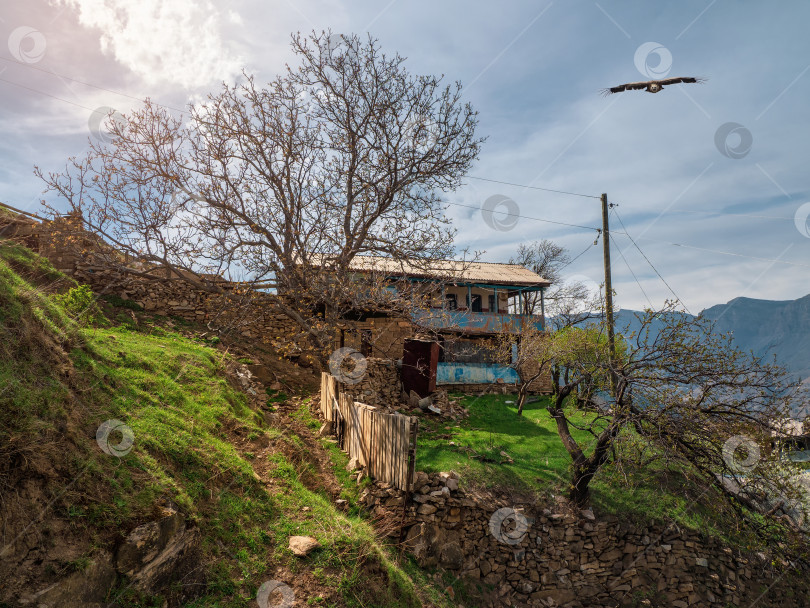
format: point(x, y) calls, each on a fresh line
point(282, 186)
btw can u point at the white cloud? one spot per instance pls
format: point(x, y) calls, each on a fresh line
point(163, 41)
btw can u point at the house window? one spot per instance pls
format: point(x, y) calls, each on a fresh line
point(452, 302)
point(493, 304)
point(476, 303)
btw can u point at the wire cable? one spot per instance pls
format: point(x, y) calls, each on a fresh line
point(537, 219)
point(579, 256)
point(527, 217)
point(87, 84)
point(626, 263)
point(627, 234)
point(738, 255)
point(496, 181)
point(710, 212)
point(718, 251)
point(22, 86)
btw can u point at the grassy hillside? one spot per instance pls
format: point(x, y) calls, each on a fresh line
point(247, 476)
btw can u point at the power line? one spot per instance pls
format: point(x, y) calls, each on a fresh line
point(738, 255)
point(527, 217)
point(710, 212)
point(496, 181)
point(627, 234)
point(87, 84)
point(579, 256)
point(718, 251)
point(626, 263)
point(140, 99)
point(78, 105)
point(22, 86)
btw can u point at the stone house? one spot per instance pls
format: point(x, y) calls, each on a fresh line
point(467, 304)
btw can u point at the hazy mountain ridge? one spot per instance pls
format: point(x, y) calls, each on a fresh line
point(780, 327)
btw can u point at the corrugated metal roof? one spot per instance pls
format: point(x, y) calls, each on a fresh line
point(453, 270)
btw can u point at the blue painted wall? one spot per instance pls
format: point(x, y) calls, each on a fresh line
point(474, 373)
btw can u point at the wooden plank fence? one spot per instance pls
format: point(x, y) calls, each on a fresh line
point(385, 444)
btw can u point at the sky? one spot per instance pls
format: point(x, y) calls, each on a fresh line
point(711, 180)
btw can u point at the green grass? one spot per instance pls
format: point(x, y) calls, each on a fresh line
point(538, 460)
point(185, 417)
point(537, 463)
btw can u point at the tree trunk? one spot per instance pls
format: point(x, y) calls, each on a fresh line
point(523, 392)
point(580, 486)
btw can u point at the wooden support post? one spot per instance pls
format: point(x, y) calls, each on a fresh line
point(608, 289)
point(543, 307)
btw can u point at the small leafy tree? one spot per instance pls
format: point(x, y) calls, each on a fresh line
point(685, 399)
point(527, 353)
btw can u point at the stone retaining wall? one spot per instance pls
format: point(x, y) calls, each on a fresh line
point(536, 556)
point(379, 385)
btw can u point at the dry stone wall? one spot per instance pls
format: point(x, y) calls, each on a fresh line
point(379, 384)
point(536, 556)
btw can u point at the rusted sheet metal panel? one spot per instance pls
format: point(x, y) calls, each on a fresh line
point(474, 373)
point(475, 322)
point(419, 359)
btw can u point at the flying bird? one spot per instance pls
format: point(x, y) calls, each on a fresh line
point(651, 86)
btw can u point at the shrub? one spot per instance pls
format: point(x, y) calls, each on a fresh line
point(80, 304)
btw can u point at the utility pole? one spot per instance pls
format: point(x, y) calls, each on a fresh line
point(608, 288)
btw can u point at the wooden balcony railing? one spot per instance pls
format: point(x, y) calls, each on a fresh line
point(475, 322)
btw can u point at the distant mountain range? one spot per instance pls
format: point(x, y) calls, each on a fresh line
point(762, 326)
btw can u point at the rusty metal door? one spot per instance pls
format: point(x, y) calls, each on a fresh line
point(419, 361)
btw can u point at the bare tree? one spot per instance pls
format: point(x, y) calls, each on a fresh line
point(284, 186)
point(548, 259)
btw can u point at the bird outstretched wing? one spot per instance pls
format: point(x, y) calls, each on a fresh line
point(629, 86)
point(686, 79)
point(635, 86)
